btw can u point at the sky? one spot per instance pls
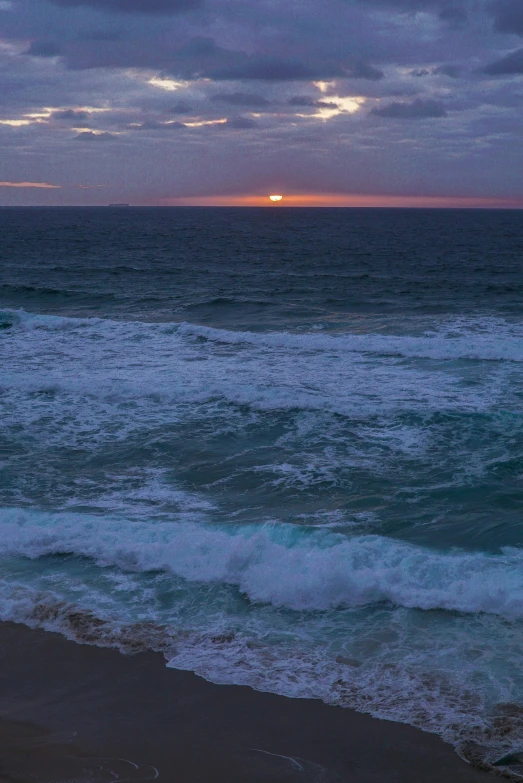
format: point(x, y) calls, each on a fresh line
point(328, 102)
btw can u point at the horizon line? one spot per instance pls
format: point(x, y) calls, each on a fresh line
point(490, 206)
point(309, 200)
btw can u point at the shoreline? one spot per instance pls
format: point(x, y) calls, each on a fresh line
point(78, 712)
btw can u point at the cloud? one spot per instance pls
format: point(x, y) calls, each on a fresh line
point(240, 123)
point(90, 136)
point(304, 100)
point(241, 99)
point(44, 185)
point(301, 100)
point(99, 35)
point(508, 16)
point(417, 110)
point(451, 11)
point(506, 66)
point(152, 125)
point(454, 16)
point(403, 5)
point(362, 70)
point(410, 6)
point(124, 68)
point(135, 6)
point(71, 114)
point(44, 49)
point(182, 107)
point(271, 69)
point(453, 71)
point(201, 57)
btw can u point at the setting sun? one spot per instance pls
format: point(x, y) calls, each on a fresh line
point(275, 198)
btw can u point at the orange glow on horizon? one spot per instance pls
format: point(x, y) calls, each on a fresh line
point(344, 200)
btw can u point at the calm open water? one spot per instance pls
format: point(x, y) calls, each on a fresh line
point(285, 447)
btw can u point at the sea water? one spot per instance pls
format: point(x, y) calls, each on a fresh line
point(284, 447)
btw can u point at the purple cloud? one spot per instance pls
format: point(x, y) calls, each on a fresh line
point(506, 66)
point(508, 16)
point(417, 110)
point(136, 6)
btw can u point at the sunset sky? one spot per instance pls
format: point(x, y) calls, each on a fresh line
point(342, 102)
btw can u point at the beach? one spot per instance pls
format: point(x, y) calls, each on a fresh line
point(75, 712)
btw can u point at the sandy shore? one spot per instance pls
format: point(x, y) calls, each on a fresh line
point(72, 713)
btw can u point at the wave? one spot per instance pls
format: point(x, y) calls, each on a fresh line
point(279, 564)
point(26, 321)
point(444, 703)
point(493, 347)
point(224, 301)
point(30, 289)
point(181, 363)
point(483, 339)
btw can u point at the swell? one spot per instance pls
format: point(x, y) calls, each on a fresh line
point(38, 290)
point(455, 339)
point(506, 347)
point(278, 564)
point(49, 296)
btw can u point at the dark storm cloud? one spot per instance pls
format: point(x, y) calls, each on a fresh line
point(71, 115)
point(135, 6)
point(239, 123)
point(453, 12)
point(362, 70)
point(44, 49)
point(90, 136)
point(304, 100)
point(99, 35)
point(508, 16)
point(182, 107)
point(403, 5)
point(506, 66)
point(444, 8)
point(241, 99)
point(452, 71)
point(201, 57)
point(417, 110)
point(272, 69)
point(454, 16)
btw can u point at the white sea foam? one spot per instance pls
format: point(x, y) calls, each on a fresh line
point(436, 679)
point(354, 375)
point(281, 565)
point(134, 394)
point(480, 338)
point(504, 342)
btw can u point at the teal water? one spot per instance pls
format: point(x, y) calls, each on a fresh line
point(285, 447)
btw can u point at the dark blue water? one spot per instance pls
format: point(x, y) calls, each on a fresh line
point(283, 446)
point(261, 268)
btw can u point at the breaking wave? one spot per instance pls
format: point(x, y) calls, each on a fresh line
point(280, 564)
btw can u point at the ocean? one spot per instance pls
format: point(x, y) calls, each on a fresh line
point(284, 447)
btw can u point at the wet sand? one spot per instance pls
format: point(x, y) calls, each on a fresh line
point(71, 713)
